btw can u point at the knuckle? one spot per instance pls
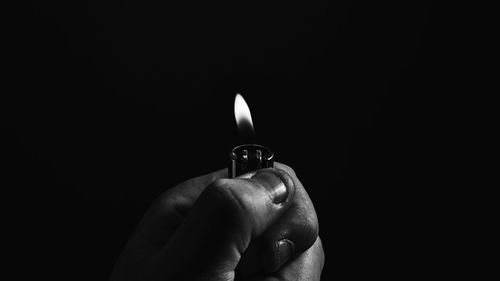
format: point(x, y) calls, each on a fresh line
point(299, 227)
point(320, 252)
point(307, 220)
point(164, 203)
point(311, 224)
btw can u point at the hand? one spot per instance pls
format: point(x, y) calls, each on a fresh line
point(259, 226)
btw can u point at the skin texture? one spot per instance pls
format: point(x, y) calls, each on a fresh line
point(214, 228)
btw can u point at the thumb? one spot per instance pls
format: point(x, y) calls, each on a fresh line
point(218, 229)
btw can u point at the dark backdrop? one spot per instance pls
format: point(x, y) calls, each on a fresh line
point(108, 103)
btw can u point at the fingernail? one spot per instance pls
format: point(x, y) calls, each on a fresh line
point(285, 249)
point(274, 184)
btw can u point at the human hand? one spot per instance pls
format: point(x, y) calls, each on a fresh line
point(259, 226)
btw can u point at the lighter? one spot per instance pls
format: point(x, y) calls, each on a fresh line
point(247, 157)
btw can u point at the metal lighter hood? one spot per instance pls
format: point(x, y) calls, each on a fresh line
point(249, 157)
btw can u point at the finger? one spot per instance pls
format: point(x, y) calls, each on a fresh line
point(180, 198)
point(166, 214)
point(228, 214)
point(305, 267)
point(295, 231)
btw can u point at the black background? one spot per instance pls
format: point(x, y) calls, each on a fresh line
point(108, 103)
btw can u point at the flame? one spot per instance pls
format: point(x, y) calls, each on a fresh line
point(242, 115)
